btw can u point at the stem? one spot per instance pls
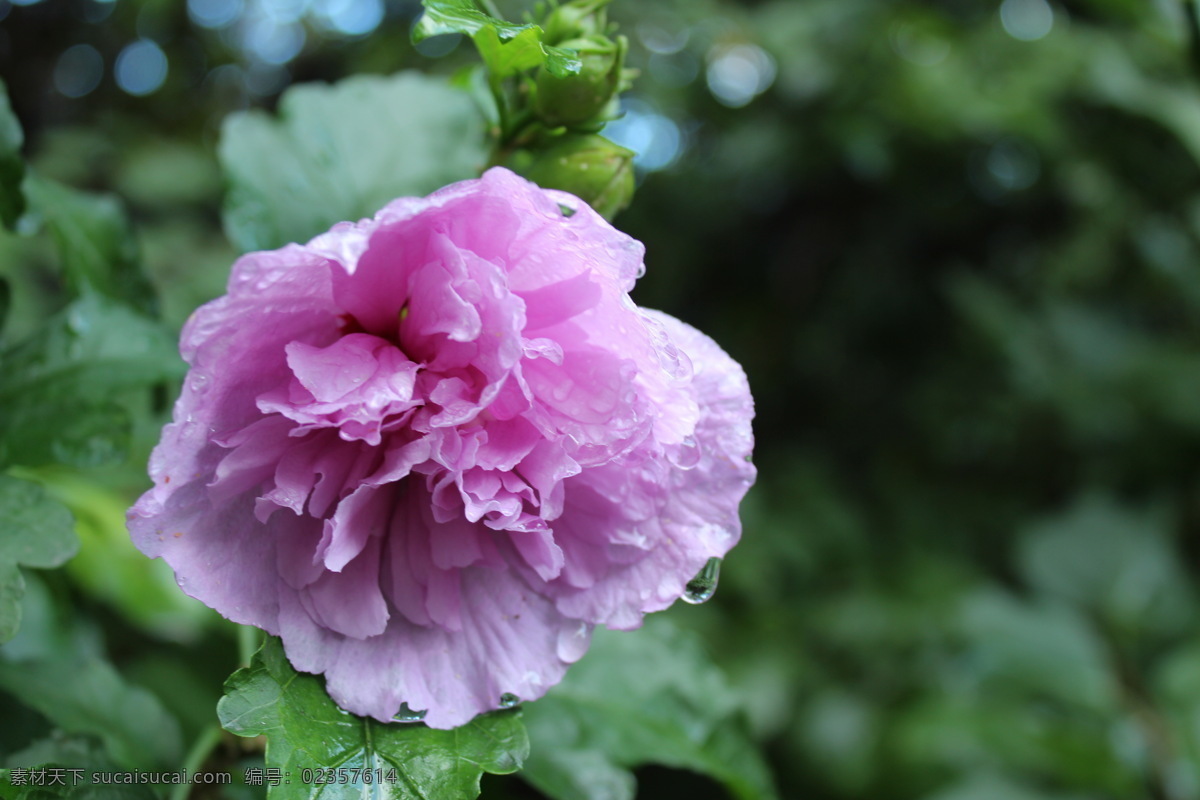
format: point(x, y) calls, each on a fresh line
point(248, 642)
point(1137, 701)
point(490, 9)
point(502, 110)
point(196, 758)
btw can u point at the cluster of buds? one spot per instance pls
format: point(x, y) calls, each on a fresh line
point(588, 98)
point(561, 147)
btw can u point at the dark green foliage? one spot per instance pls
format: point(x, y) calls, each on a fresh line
point(650, 697)
point(12, 166)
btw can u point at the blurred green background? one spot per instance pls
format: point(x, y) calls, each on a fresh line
point(956, 246)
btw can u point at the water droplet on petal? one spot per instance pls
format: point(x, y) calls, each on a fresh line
point(406, 714)
point(701, 588)
point(508, 700)
point(687, 455)
point(573, 640)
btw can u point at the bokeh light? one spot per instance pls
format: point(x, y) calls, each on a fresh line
point(739, 73)
point(1027, 20)
point(141, 68)
point(350, 17)
point(654, 137)
point(78, 71)
point(214, 13)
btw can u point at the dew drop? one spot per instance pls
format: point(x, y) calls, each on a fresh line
point(687, 456)
point(509, 700)
point(406, 714)
point(701, 588)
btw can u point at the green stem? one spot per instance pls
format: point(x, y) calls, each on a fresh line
point(196, 758)
point(502, 109)
point(490, 9)
point(249, 641)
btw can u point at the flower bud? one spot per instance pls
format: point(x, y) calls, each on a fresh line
point(586, 165)
point(575, 99)
point(573, 20)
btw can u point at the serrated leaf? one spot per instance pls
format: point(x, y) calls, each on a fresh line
point(506, 48)
point(85, 695)
point(35, 531)
point(648, 697)
point(58, 385)
point(95, 242)
point(12, 166)
point(306, 730)
point(342, 152)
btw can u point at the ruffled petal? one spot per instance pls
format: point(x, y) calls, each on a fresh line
point(432, 449)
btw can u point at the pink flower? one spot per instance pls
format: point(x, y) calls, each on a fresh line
point(431, 450)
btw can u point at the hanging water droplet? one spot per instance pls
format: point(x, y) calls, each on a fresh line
point(508, 700)
point(406, 714)
point(701, 588)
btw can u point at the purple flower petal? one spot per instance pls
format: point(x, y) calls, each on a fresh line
point(431, 450)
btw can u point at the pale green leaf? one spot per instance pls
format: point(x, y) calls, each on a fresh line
point(59, 386)
point(342, 152)
point(35, 531)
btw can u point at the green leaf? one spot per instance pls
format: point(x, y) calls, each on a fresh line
point(110, 568)
point(85, 695)
point(73, 758)
point(1131, 577)
point(649, 697)
point(12, 166)
point(1046, 648)
point(306, 730)
point(991, 787)
point(59, 386)
point(342, 152)
point(35, 531)
point(94, 240)
point(506, 48)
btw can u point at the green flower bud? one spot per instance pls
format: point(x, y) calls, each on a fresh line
point(575, 99)
point(586, 165)
point(574, 20)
